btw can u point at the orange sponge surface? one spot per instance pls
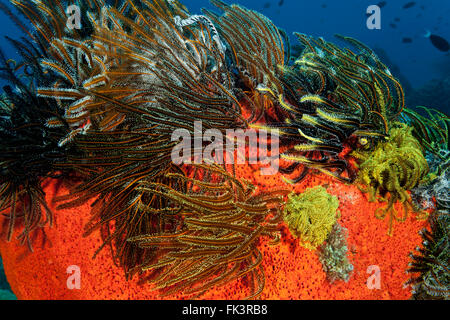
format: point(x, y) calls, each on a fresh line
point(292, 271)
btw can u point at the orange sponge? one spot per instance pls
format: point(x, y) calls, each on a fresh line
point(292, 271)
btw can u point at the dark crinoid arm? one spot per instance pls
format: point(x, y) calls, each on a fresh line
point(29, 145)
point(29, 149)
point(337, 101)
point(326, 103)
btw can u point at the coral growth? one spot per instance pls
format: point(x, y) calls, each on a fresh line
point(434, 191)
point(311, 216)
point(394, 167)
point(333, 255)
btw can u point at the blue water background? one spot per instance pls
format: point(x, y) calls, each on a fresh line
point(418, 61)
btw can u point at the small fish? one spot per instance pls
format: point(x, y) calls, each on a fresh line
point(439, 42)
point(393, 25)
point(324, 5)
point(280, 3)
point(407, 40)
point(409, 5)
point(266, 5)
point(382, 4)
point(397, 19)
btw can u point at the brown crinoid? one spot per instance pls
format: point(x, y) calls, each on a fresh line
point(221, 223)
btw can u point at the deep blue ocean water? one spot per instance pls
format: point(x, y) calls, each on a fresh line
point(418, 61)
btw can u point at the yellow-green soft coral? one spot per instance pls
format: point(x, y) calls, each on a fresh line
point(311, 215)
point(394, 167)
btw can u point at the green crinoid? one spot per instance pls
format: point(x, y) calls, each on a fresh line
point(431, 129)
point(388, 172)
point(311, 215)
